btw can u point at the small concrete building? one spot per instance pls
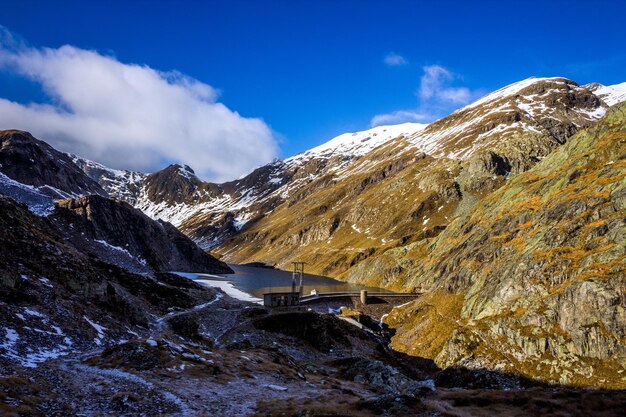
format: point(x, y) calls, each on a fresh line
point(281, 299)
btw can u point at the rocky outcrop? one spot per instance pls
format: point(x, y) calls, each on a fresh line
point(178, 184)
point(121, 234)
point(33, 162)
point(535, 276)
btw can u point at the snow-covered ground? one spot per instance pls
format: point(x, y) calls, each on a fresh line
point(38, 202)
point(230, 289)
point(216, 281)
point(357, 143)
point(610, 94)
point(15, 347)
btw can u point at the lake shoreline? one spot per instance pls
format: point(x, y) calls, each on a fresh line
point(249, 283)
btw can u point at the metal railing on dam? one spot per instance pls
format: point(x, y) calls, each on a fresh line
point(321, 296)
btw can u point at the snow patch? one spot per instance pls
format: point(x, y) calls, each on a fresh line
point(31, 359)
point(37, 202)
point(46, 282)
point(610, 94)
point(11, 337)
point(240, 221)
point(357, 143)
point(275, 387)
point(99, 329)
point(122, 250)
point(230, 290)
point(31, 312)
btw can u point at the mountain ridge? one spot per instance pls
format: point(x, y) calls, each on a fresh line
point(53, 187)
point(410, 188)
point(216, 212)
point(508, 216)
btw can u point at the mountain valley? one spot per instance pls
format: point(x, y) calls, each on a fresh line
point(507, 217)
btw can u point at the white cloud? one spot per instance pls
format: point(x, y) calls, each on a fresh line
point(394, 60)
point(397, 117)
point(437, 98)
point(434, 85)
point(132, 116)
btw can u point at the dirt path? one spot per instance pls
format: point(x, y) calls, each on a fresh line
point(161, 321)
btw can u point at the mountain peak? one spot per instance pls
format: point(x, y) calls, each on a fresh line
point(179, 169)
point(33, 162)
point(186, 170)
point(515, 88)
point(611, 94)
point(553, 106)
point(355, 144)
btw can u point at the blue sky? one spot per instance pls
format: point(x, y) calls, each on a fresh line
point(314, 69)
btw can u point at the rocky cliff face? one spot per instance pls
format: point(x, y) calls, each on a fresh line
point(534, 279)
point(123, 235)
point(120, 184)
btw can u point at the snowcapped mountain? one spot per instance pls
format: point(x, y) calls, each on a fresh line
point(51, 185)
point(358, 143)
point(524, 106)
point(611, 94)
point(504, 132)
point(120, 184)
point(411, 187)
point(34, 173)
point(36, 164)
point(211, 212)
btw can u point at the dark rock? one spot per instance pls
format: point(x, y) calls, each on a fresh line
point(34, 162)
point(92, 220)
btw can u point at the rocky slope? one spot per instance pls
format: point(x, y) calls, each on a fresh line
point(410, 188)
point(123, 235)
point(533, 280)
point(37, 175)
point(78, 336)
point(120, 184)
point(35, 163)
point(56, 299)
